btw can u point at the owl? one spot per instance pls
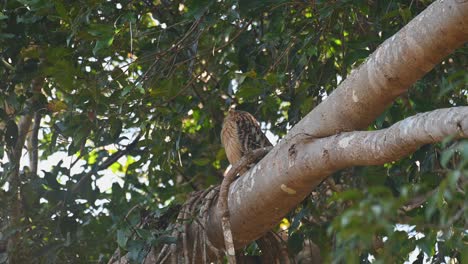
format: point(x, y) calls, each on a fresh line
point(241, 134)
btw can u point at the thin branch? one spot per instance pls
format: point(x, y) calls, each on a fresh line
point(186, 178)
point(7, 65)
point(246, 26)
point(280, 57)
point(23, 128)
point(109, 161)
point(33, 143)
point(416, 202)
point(183, 89)
point(213, 51)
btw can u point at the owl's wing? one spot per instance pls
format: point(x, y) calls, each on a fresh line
point(241, 134)
point(251, 135)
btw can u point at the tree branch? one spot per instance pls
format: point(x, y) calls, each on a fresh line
point(417, 201)
point(14, 155)
point(390, 71)
point(109, 161)
point(401, 139)
point(33, 143)
point(104, 165)
point(286, 175)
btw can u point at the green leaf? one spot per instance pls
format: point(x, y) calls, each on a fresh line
point(201, 161)
point(103, 44)
point(427, 244)
point(250, 90)
point(405, 13)
point(51, 180)
point(101, 30)
point(464, 253)
point(126, 90)
point(250, 7)
point(165, 240)
point(374, 175)
point(446, 156)
point(136, 250)
point(348, 195)
point(196, 8)
point(122, 237)
point(61, 10)
point(116, 128)
point(3, 115)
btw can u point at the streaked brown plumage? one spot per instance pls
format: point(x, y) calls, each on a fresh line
point(240, 134)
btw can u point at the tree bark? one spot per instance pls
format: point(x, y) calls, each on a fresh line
point(14, 201)
point(14, 180)
point(390, 71)
point(262, 196)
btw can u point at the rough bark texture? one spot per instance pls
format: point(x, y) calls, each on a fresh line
point(259, 199)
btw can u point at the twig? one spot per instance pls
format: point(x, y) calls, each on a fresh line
point(213, 51)
point(417, 201)
point(7, 65)
point(33, 142)
point(179, 92)
point(109, 161)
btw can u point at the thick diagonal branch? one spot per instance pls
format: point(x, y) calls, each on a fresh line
point(287, 174)
point(390, 70)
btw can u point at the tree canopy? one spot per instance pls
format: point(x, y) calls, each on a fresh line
point(138, 90)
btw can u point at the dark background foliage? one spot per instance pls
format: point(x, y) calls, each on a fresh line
point(162, 74)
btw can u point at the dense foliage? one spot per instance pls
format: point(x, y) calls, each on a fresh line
point(147, 82)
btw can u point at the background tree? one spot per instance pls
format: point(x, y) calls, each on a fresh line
point(141, 88)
